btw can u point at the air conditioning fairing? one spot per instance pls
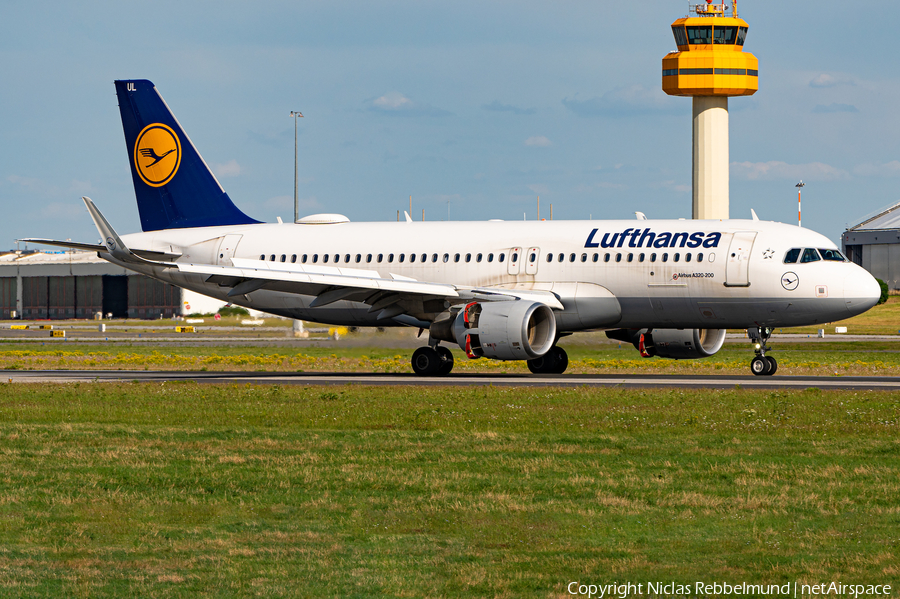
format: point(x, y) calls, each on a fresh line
point(505, 330)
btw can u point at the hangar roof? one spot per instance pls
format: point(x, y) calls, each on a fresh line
point(886, 218)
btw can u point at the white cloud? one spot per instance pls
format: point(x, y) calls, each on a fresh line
point(632, 100)
point(538, 141)
point(887, 169)
point(63, 210)
point(229, 169)
point(774, 170)
point(539, 188)
point(829, 80)
point(395, 103)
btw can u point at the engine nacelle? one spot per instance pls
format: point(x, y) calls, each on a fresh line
point(678, 344)
point(505, 330)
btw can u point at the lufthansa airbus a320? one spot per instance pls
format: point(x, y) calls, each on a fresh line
point(498, 290)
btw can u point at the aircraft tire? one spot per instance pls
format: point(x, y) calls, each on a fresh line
point(561, 359)
point(773, 366)
point(426, 361)
point(554, 361)
point(760, 366)
point(446, 357)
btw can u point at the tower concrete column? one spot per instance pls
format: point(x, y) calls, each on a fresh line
point(710, 173)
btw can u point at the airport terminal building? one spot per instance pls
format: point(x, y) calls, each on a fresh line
point(874, 244)
point(38, 285)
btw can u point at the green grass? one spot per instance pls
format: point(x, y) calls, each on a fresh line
point(186, 490)
point(818, 358)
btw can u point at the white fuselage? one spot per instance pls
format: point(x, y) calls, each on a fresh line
point(713, 274)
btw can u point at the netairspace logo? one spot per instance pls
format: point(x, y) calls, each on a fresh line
point(722, 589)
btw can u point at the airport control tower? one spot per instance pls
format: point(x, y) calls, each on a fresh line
point(710, 65)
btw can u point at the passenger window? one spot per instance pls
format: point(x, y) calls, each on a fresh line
point(549, 257)
point(584, 257)
point(791, 256)
point(303, 259)
point(283, 258)
point(606, 258)
point(831, 255)
point(665, 257)
point(561, 257)
point(630, 257)
point(272, 258)
point(412, 258)
point(700, 257)
point(293, 258)
point(456, 257)
point(571, 257)
point(809, 255)
point(618, 257)
point(315, 258)
point(358, 258)
point(425, 258)
point(501, 257)
point(687, 257)
point(515, 257)
point(490, 257)
point(533, 257)
point(596, 257)
point(446, 257)
point(652, 257)
point(478, 258)
point(368, 257)
point(347, 258)
point(640, 257)
point(337, 258)
point(380, 258)
point(402, 257)
point(324, 258)
point(390, 258)
point(676, 257)
point(262, 257)
point(468, 257)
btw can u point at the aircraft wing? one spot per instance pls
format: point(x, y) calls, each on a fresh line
point(390, 297)
point(151, 255)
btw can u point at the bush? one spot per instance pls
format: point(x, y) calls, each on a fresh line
point(884, 291)
point(233, 311)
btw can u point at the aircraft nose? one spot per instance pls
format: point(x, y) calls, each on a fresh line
point(861, 291)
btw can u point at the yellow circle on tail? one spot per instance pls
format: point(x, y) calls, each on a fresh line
point(157, 154)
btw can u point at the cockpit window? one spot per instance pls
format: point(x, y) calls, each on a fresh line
point(809, 255)
point(792, 255)
point(832, 255)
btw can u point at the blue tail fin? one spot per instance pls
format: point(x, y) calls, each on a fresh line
point(174, 186)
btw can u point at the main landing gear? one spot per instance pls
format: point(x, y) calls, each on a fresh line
point(432, 361)
point(761, 365)
point(554, 361)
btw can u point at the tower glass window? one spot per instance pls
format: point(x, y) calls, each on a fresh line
point(680, 37)
point(741, 36)
point(724, 35)
point(699, 35)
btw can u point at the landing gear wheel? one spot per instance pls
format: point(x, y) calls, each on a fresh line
point(426, 361)
point(554, 361)
point(773, 365)
point(760, 366)
point(446, 357)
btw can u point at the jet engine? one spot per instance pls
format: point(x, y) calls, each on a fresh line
point(678, 344)
point(501, 330)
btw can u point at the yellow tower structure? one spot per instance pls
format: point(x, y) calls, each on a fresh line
point(710, 65)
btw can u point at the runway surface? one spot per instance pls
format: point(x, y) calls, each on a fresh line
point(460, 380)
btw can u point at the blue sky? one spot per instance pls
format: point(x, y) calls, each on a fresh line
point(484, 105)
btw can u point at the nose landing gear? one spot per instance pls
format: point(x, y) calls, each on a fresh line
point(761, 365)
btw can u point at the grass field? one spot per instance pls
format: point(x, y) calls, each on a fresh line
point(183, 490)
point(819, 358)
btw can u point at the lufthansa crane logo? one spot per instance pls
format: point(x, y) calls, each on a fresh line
point(157, 154)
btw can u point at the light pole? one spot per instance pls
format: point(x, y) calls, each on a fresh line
point(799, 186)
point(294, 115)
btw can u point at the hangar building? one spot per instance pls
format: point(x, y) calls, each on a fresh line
point(874, 244)
point(57, 285)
